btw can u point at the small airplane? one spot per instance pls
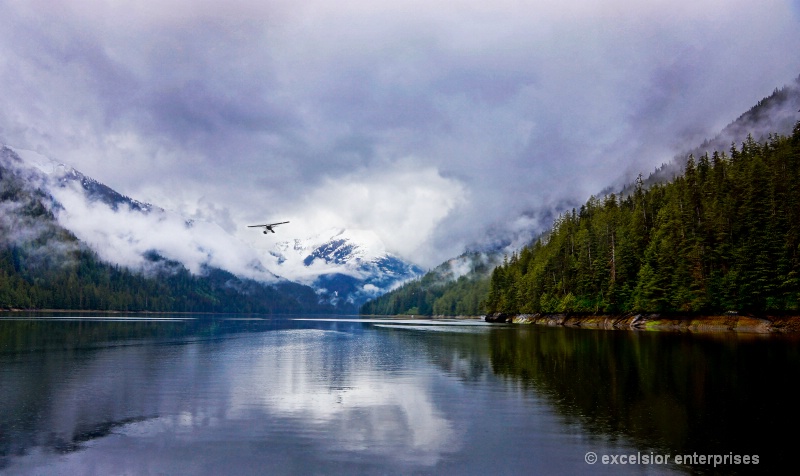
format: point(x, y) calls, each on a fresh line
point(268, 227)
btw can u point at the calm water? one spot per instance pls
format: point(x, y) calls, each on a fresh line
point(339, 396)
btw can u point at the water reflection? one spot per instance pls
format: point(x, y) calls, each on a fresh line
point(65, 383)
point(282, 396)
point(675, 393)
point(309, 391)
point(347, 385)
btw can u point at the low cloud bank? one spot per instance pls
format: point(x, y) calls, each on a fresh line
point(125, 236)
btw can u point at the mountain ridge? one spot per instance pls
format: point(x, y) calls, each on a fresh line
point(774, 114)
point(343, 269)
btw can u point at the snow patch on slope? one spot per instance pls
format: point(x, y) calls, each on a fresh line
point(335, 250)
point(126, 232)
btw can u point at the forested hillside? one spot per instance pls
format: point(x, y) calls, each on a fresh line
point(438, 292)
point(776, 113)
point(723, 236)
point(43, 266)
point(85, 283)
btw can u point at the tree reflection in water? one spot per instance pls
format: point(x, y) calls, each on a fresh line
point(450, 396)
point(677, 393)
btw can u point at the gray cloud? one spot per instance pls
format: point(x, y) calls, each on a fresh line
point(351, 114)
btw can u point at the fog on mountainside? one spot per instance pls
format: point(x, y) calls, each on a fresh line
point(775, 114)
point(443, 293)
point(55, 216)
point(343, 268)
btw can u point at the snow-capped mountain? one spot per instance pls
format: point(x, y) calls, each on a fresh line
point(47, 172)
point(346, 267)
point(127, 232)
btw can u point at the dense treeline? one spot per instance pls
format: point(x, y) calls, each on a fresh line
point(86, 283)
point(436, 294)
point(723, 236)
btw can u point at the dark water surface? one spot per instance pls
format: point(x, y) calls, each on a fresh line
point(207, 395)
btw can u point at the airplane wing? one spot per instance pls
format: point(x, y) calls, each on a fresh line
point(267, 225)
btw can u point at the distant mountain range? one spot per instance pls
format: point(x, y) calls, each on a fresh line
point(343, 267)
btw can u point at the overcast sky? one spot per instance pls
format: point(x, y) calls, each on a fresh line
point(436, 124)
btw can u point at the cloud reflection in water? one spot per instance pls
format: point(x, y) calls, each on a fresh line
point(340, 392)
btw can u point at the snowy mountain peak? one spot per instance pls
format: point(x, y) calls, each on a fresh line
point(335, 245)
point(38, 161)
point(63, 175)
point(127, 232)
point(344, 266)
point(345, 251)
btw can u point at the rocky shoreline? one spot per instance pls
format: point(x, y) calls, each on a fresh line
point(730, 322)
